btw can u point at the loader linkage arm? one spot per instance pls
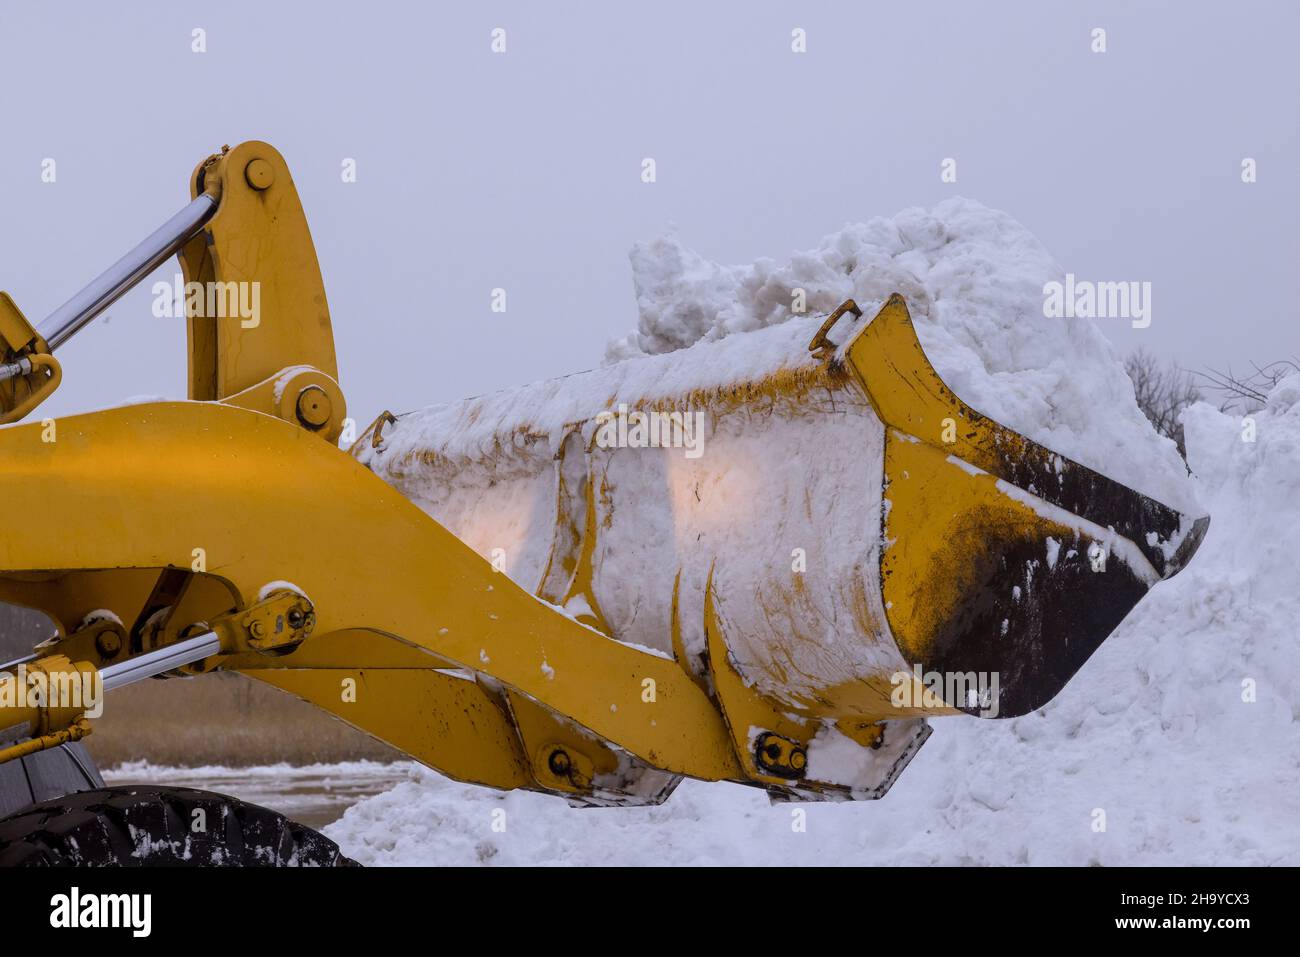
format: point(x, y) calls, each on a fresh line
point(28, 373)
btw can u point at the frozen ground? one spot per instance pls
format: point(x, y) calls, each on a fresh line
point(312, 794)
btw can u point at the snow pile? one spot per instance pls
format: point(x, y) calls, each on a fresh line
point(1181, 736)
point(973, 279)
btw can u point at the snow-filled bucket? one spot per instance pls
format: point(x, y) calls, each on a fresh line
point(820, 534)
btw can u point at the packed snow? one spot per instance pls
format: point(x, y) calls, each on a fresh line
point(1178, 742)
point(973, 279)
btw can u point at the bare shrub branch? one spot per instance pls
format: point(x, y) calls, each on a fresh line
point(1163, 390)
point(1247, 393)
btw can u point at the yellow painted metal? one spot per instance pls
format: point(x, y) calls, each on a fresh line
point(73, 732)
point(71, 597)
point(19, 340)
point(49, 696)
point(562, 756)
point(367, 558)
point(257, 235)
point(569, 567)
point(443, 721)
point(987, 565)
point(16, 333)
point(936, 500)
point(892, 369)
point(760, 729)
point(25, 393)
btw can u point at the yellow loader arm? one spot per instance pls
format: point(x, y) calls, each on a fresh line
point(231, 532)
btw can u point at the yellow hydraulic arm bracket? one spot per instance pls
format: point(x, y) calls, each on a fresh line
point(275, 353)
point(257, 318)
point(28, 373)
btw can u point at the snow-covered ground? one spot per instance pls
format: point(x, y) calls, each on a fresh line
point(311, 794)
point(1178, 742)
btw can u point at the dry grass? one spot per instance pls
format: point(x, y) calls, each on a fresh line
point(222, 719)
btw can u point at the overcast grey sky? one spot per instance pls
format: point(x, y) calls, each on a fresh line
point(522, 170)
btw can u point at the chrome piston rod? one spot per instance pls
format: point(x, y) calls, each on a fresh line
point(161, 659)
point(148, 664)
point(145, 665)
point(119, 278)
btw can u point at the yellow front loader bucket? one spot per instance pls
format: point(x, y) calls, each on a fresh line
point(852, 549)
point(767, 559)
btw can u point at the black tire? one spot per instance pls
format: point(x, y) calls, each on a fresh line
point(145, 825)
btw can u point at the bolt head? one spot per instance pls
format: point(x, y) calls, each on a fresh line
point(260, 174)
point(107, 643)
point(559, 763)
point(314, 407)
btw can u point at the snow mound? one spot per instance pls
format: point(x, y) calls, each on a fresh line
point(973, 279)
point(1177, 743)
